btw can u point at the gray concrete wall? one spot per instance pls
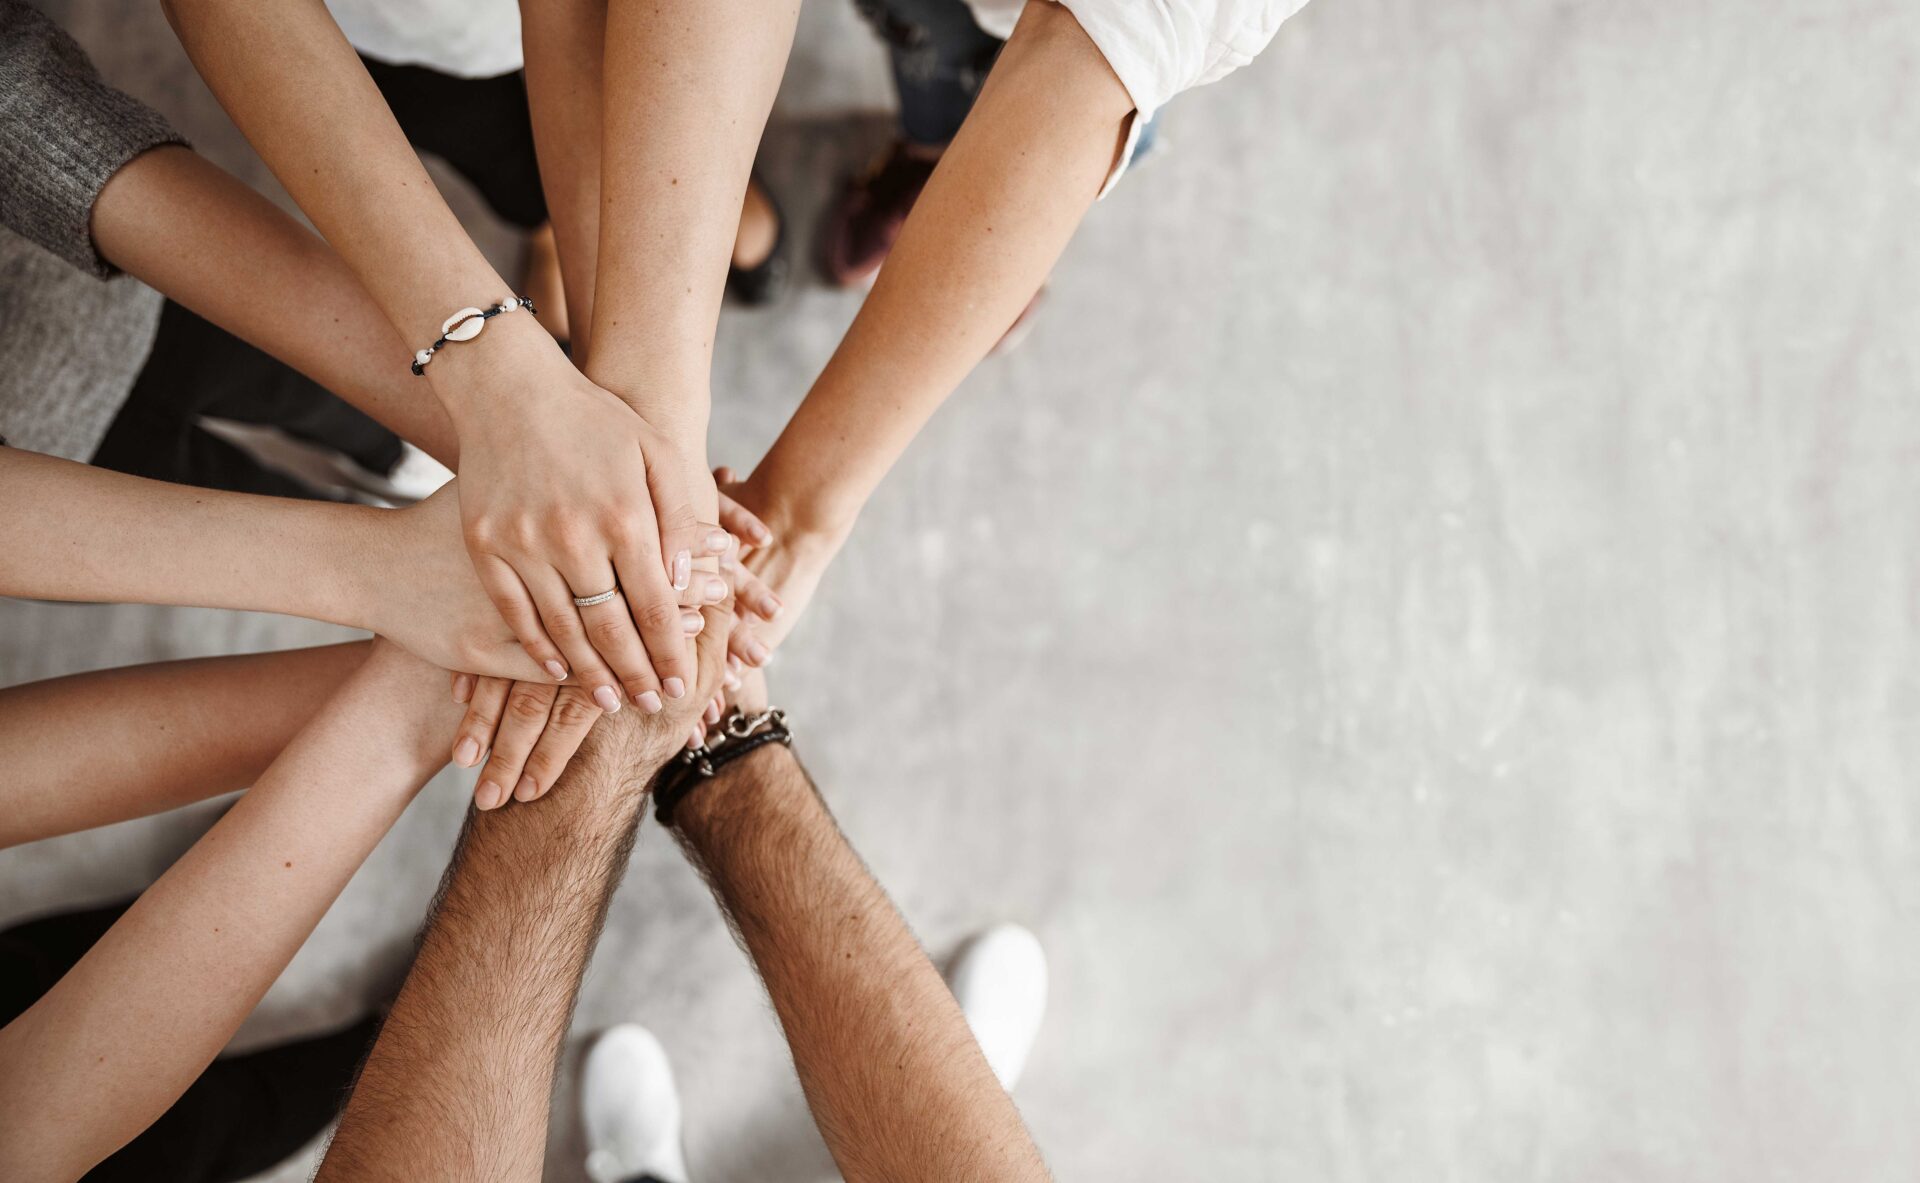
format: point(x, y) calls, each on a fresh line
point(1424, 630)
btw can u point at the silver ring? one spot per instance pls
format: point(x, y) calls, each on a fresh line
point(603, 597)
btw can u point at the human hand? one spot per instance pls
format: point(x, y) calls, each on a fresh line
point(412, 583)
point(782, 571)
point(642, 743)
point(567, 492)
point(527, 730)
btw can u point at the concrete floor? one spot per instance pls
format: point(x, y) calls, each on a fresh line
point(1425, 629)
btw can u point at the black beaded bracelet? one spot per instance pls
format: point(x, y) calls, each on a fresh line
point(737, 734)
point(465, 325)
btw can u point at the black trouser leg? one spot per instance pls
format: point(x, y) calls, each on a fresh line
point(244, 1114)
point(195, 369)
point(480, 126)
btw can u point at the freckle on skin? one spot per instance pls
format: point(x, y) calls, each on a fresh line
point(289, 864)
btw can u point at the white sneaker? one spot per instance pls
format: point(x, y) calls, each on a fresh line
point(999, 977)
point(417, 476)
point(631, 1109)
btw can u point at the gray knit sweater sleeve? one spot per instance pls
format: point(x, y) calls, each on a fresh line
point(63, 133)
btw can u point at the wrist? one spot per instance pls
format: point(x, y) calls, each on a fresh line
point(752, 791)
point(804, 516)
point(509, 358)
point(334, 583)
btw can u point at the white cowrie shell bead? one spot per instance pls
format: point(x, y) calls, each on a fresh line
point(467, 329)
point(447, 327)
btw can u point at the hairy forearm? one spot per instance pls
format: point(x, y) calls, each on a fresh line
point(100, 747)
point(895, 1080)
point(186, 228)
point(458, 1084)
point(118, 1039)
point(77, 533)
point(689, 85)
point(999, 209)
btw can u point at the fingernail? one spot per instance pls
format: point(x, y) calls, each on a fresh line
point(770, 606)
point(526, 790)
point(757, 651)
point(462, 687)
point(716, 589)
point(488, 796)
point(729, 680)
point(558, 671)
point(466, 751)
point(674, 687)
point(719, 540)
point(733, 664)
point(713, 712)
point(695, 740)
point(692, 622)
point(649, 702)
point(682, 570)
point(762, 535)
point(607, 699)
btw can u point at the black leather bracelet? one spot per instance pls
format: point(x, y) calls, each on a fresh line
point(737, 734)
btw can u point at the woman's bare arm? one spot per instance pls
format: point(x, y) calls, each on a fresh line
point(100, 747)
point(124, 1033)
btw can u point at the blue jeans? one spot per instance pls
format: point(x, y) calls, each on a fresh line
point(940, 59)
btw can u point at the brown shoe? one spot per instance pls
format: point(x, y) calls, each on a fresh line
point(865, 219)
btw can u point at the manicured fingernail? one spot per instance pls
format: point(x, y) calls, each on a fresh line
point(649, 702)
point(757, 651)
point(488, 796)
point(716, 589)
point(729, 680)
point(558, 671)
point(526, 790)
point(719, 541)
point(695, 740)
point(692, 622)
point(713, 712)
point(466, 752)
point(608, 700)
point(762, 535)
point(462, 687)
point(682, 570)
point(770, 606)
point(674, 687)
point(733, 664)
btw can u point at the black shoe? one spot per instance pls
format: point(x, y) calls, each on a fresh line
point(765, 281)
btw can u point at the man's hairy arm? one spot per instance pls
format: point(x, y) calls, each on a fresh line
point(459, 1083)
point(896, 1082)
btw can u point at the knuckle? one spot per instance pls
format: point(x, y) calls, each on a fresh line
point(563, 627)
point(607, 633)
point(527, 705)
point(574, 712)
point(660, 616)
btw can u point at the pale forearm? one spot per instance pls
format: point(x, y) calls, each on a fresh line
point(564, 42)
point(689, 85)
point(188, 229)
point(94, 748)
point(898, 1086)
point(999, 209)
point(294, 86)
point(136, 1020)
point(77, 533)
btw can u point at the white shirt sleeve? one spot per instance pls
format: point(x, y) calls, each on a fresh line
point(1159, 48)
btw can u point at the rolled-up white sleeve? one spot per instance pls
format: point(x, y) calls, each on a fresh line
point(1159, 48)
point(1162, 47)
